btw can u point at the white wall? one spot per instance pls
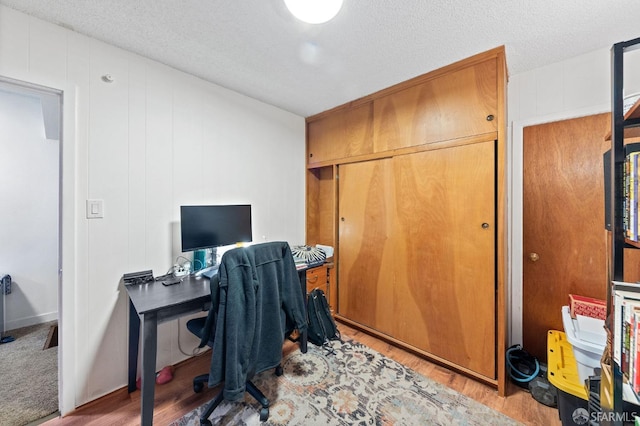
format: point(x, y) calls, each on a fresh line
point(576, 87)
point(29, 214)
point(150, 141)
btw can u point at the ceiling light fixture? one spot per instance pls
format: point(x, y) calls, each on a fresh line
point(314, 11)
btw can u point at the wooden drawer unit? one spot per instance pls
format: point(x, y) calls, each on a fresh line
point(322, 277)
point(318, 278)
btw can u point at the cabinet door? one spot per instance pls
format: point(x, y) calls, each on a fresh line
point(347, 132)
point(447, 107)
point(444, 244)
point(365, 272)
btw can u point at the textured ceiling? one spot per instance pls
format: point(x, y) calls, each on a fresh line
point(257, 48)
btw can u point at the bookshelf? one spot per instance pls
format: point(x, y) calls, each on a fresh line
point(615, 389)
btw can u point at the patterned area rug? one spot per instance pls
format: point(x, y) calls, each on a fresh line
point(356, 385)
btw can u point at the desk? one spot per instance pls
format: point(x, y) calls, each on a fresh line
point(151, 304)
point(154, 303)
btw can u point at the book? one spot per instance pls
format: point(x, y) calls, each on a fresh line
point(633, 196)
point(628, 307)
point(635, 359)
point(630, 196)
point(626, 198)
point(625, 297)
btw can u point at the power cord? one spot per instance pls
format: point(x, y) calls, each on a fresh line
point(182, 257)
point(196, 351)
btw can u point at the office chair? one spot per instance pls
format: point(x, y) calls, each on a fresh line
point(256, 301)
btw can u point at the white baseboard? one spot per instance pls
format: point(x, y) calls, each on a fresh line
point(25, 322)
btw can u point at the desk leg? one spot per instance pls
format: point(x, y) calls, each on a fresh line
point(134, 339)
point(303, 342)
point(149, 349)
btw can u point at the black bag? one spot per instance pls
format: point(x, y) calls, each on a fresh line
point(322, 328)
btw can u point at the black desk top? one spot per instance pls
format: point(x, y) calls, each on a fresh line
point(156, 296)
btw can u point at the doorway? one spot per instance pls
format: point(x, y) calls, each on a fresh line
point(30, 145)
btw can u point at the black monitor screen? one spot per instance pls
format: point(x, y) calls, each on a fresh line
point(212, 226)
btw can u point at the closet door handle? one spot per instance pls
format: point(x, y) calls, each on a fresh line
point(534, 257)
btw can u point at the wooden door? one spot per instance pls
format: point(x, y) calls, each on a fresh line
point(417, 251)
point(564, 239)
point(366, 258)
point(445, 289)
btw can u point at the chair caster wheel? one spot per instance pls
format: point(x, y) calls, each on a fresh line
point(279, 370)
point(205, 422)
point(197, 388)
point(264, 414)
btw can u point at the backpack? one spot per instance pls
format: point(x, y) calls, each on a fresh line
point(322, 328)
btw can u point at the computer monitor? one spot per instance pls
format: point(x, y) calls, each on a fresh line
point(211, 226)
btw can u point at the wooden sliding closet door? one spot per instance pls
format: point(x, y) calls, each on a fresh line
point(445, 254)
point(417, 251)
point(366, 255)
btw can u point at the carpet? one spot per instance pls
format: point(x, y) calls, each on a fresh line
point(28, 376)
point(356, 385)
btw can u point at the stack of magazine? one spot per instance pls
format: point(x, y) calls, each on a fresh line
point(307, 256)
point(301, 263)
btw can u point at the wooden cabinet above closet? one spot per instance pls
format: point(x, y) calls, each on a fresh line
point(459, 101)
point(343, 134)
point(450, 106)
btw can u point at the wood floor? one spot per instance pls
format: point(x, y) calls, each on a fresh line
point(177, 398)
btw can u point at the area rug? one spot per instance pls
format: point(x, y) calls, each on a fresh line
point(28, 376)
point(355, 385)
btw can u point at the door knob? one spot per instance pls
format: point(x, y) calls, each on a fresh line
point(534, 257)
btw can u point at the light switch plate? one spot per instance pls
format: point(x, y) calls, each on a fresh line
point(95, 209)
